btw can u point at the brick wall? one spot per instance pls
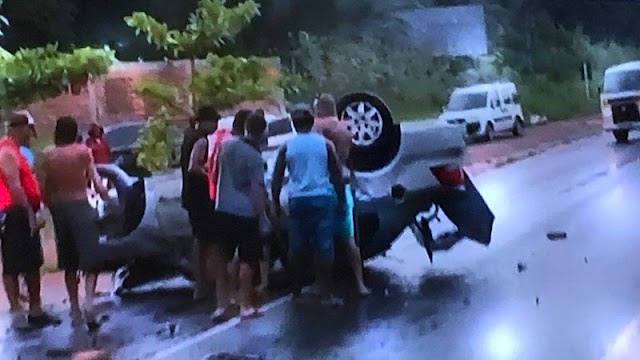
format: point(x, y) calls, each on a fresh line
point(111, 98)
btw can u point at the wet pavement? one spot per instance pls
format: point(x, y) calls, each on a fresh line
point(525, 297)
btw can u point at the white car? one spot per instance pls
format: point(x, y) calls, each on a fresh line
point(619, 100)
point(401, 171)
point(485, 110)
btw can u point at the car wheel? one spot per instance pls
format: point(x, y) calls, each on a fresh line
point(518, 127)
point(376, 138)
point(489, 132)
point(127, 203)
point(622, 136)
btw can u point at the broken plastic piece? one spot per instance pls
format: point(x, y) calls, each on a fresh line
point(521, 267)
point(556, 235)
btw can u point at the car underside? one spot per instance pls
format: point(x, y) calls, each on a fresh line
point(403, 175)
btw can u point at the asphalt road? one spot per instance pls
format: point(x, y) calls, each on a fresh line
point(524, 297)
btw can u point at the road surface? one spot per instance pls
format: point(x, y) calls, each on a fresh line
point(524, 297)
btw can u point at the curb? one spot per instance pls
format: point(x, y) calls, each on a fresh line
point(196, 347)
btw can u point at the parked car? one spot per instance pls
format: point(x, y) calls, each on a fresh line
point(122, 137)
point(485, 110)
point(401, 171)
point(619, 99)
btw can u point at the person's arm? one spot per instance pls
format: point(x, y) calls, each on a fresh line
point(198, 160)
point(277, 179)
point(258, 187)
point(335, 173)
point(48, 186)
point(95, 178)
point(11, 171)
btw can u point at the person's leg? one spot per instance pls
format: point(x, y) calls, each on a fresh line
point(12, 289)
point(68, 259)
point(322, 219)
point(25, 251)
point(225, 248)
point(10, 277)
point(72, 282)
point(299, 235)
point(199, 257)
point(265, 266)
point(250, 254)
point(346, 237)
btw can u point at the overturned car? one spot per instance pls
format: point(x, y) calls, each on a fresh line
point(402, 172)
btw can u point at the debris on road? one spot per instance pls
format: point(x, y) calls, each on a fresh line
point(59, 353)
point(522, 267)
point(386, 292)
point(230, 356)
point(586, 261)
point(537, 301)
point(556, 235)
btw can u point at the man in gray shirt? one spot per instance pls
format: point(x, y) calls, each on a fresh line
point(241, 202)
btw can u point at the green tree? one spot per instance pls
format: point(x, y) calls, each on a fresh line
point(210, 27)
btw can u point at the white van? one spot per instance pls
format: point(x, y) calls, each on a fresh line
point(620, 98)
point(485, 109)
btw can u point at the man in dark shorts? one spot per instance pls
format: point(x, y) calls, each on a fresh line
point(240, 204)
point(68, 167)
point(20, 198)
point(195, 198)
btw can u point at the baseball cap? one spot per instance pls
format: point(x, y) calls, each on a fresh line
point(18, 118)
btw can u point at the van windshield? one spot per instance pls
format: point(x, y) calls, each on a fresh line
point(621, 81)
point(467, 101)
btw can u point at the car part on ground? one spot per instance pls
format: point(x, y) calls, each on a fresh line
point(621, 136)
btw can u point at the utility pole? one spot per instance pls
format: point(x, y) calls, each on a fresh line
point(586, 75)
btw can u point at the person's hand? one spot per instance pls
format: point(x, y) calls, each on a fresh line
point(33, 226)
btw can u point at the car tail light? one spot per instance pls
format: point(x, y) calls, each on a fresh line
point(449, 175)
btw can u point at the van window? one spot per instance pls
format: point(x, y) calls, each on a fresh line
point(621, 81)
point(507, 100)
point(467, 101)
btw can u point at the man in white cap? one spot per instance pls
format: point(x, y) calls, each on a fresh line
point(25, 149)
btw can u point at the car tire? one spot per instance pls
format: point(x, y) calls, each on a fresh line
point(376, 138)
point(489, 132)
point(518, 127)
point(127, 215)
point(622, 136)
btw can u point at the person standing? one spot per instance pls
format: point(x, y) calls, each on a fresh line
point(99, 146)
point(314, 179)
point(205, 155)
point(20, 199)
point(240, 204)
point(68, 166)
point(195, 197)
point(327, 123)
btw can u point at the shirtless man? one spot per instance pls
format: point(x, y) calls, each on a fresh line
point(68, 167)
point(327, 123)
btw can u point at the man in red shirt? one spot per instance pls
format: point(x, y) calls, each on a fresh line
point(20, 199)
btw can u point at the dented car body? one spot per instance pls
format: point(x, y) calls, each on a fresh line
point(400, 173)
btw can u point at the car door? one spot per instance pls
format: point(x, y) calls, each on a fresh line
point(502, 118)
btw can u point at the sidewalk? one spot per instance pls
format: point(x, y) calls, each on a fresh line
point(538, 138)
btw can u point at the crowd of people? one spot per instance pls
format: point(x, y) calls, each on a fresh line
point(232, 214)
point(224, 192)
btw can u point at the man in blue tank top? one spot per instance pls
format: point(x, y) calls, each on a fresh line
point(314, 179)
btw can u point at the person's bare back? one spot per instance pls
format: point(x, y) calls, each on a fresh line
point(68, 170)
